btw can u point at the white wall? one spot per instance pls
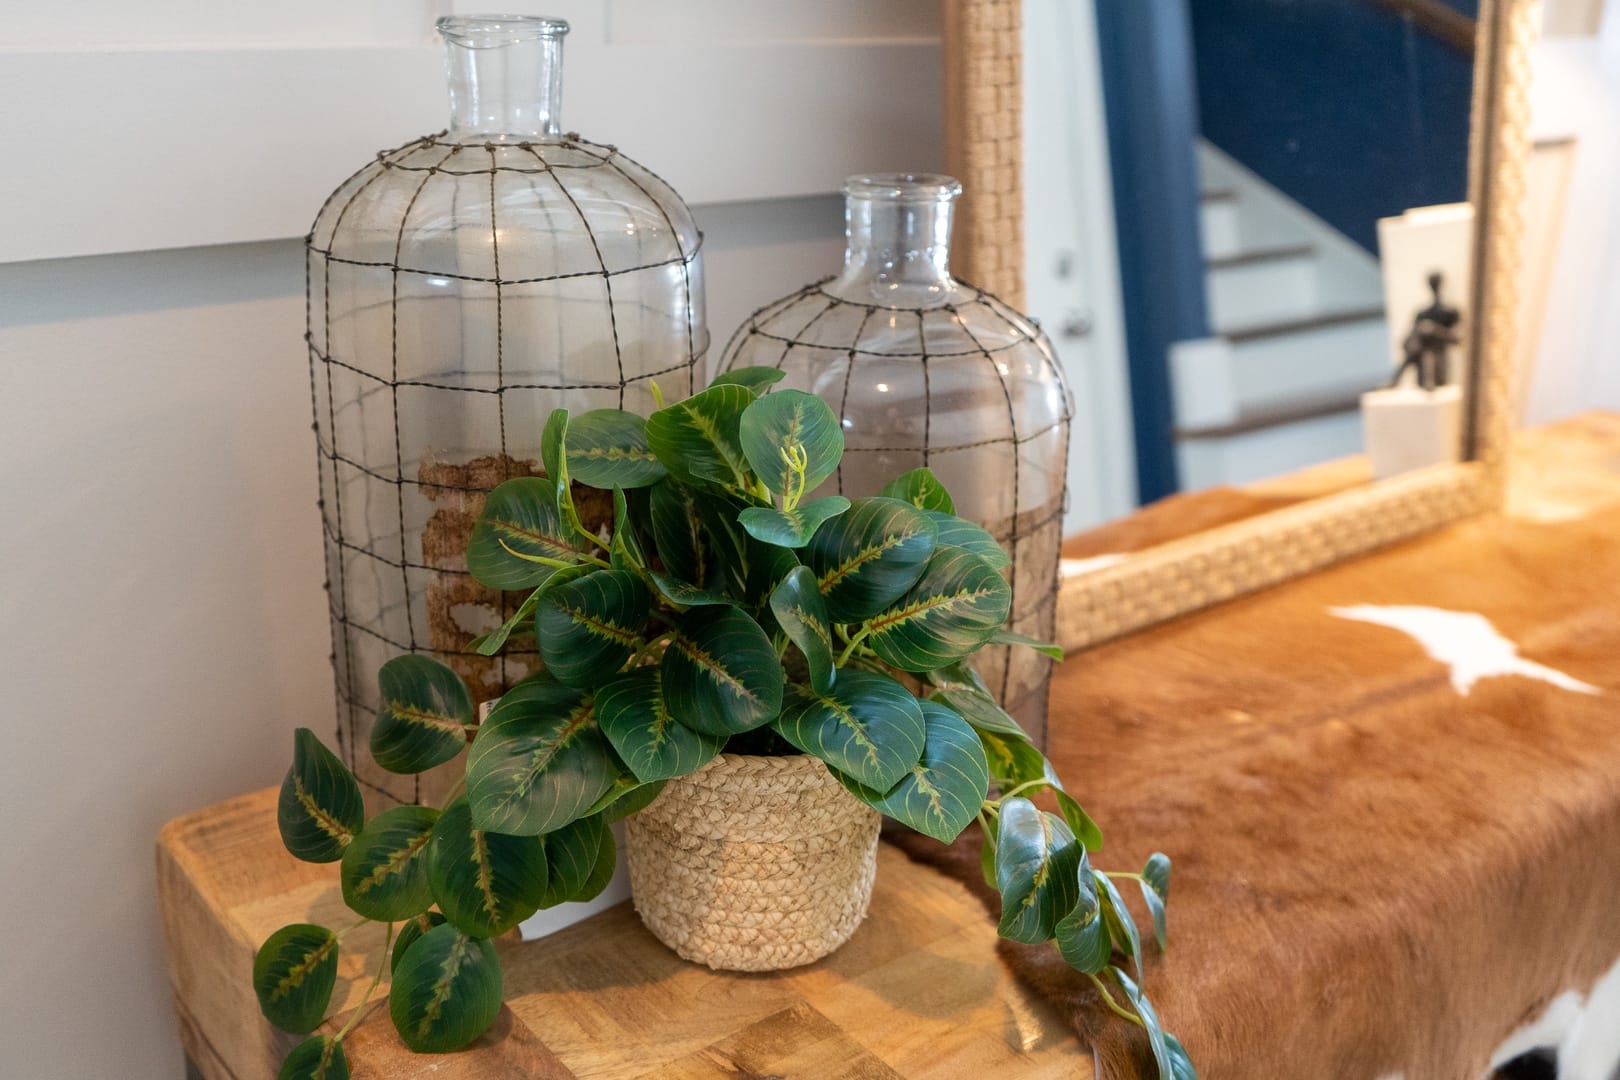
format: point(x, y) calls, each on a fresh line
point(161, 615)
point(1071, 260)
point(1575, 94)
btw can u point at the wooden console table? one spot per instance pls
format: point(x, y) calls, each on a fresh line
point(918, 992)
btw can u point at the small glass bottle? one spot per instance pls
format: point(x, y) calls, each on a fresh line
point(460, 288)
point(927, 370)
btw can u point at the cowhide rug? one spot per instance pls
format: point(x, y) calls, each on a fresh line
point(1391, 792)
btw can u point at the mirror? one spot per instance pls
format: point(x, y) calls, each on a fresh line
point(1274, 245)
point(1293, 175)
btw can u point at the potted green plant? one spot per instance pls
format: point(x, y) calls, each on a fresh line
point(749, 675)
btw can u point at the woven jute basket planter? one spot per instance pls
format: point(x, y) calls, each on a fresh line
point(753, 863)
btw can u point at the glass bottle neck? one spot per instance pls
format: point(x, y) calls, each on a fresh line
point(898, 230)
point(505, 75)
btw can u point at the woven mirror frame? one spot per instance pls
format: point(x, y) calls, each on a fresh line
point(984, 147)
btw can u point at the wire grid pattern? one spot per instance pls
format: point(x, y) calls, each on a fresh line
point(456, 292)
point(969, 388)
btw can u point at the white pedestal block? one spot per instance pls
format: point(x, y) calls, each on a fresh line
point(1408, 428)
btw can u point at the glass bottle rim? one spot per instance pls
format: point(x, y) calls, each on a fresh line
point(903, 187)
point(495, 31)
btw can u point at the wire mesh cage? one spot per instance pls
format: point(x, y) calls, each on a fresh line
point(460, 287)
point(924, 370)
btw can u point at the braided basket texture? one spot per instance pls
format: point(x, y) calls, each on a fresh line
point(753, 863)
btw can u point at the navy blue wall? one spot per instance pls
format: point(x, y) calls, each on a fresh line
point(1152, 111)
point(1341, 104)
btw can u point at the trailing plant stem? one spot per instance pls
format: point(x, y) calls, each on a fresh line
point(361, 1010)
point(854, 641)
point(1021, 788)
point(1113, 1006)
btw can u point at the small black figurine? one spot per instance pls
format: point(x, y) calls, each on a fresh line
point(1428, 344)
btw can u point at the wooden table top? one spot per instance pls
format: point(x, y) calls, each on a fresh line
point(917, 992)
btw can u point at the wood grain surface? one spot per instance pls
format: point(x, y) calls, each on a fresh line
point(917, 992)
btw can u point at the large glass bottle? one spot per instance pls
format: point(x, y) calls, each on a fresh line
point(460, 288)
point(927, 370)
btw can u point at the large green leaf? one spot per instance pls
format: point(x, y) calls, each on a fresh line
point(697, 439)
point(485, 883)
point(953, 532)
point(868, 727)
point(1014, 762)
point(684, 548)
point(791, 528)
point(1076, 817)
point(870, 556)
point(1009, 637)
point(636, 719)
point(1181, 1066)
point(942, 793)
point(1121, 925)
point(628, 796)
point(539, 761)
point(1156, 892)
point(922, 489)
point(956, 605)
point(789, 428)
point(960, 687)
point(574, 854)
point(384, 874)
point(757, 379)
point(589, 627)
point(721, 675)
point(520, 524)
point(1013, 758)
point(319, 1057)
point(446, 992)
point(554, 456)
point(687, 595)
point(320, 809)
point(1082, 934)
point(493, 642)
point(1157, 1039)
point(409, 932)
point(293, 974)
point(426, 711)
point(802, 613)
point(1037, 859)
point(762, 566)
point(624, 550)
point(601, 871)
point(607, 448)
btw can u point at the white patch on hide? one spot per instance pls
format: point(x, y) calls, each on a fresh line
point(1582, 1030)
point(1464, 641)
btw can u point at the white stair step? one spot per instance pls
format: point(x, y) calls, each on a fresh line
point(1234, 222)
point(1276, 284)
point(1218, 221)
point(1216, 381)
point(1252, 452)
point(1311, 359)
